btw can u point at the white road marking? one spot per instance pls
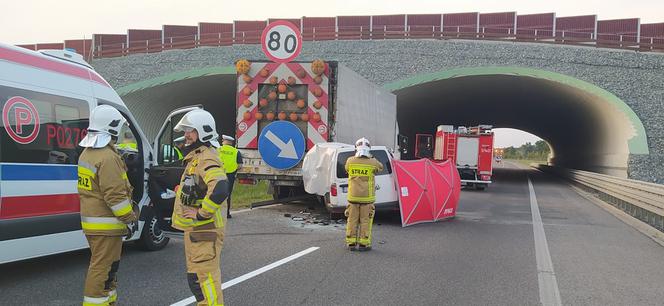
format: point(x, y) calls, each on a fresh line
point(237, 280)
point(548, 286)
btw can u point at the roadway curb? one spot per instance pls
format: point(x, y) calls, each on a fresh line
point(239, 211)
point(645, 229)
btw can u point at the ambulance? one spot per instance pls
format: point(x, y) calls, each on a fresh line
point(46, 98)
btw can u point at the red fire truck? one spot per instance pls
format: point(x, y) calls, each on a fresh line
point(470, 148)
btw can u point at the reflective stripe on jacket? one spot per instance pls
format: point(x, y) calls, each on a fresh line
point(105, 192)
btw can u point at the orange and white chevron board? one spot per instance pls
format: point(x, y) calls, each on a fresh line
point(298, 78)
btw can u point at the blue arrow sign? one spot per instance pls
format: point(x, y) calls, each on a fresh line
point(281, 145)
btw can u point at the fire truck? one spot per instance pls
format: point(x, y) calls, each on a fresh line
point(470, 148)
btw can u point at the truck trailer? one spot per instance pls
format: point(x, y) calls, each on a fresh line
point(326, 101)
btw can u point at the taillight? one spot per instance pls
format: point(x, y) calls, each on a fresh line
point(486, 177)
point(333, 190)
point(247, 181)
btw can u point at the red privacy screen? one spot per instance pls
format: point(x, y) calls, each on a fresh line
point(428, 191)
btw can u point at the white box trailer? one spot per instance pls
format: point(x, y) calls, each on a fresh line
point(331, 105)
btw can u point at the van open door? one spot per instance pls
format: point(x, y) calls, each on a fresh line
point(166, 169)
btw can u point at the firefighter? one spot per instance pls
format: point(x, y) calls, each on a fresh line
point(203, 189)
point(106, 206)
point(361, 170)
point(232, 159)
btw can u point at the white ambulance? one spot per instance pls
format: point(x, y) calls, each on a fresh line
point(46, 98)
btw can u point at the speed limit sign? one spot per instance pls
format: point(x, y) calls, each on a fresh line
point(281, 41)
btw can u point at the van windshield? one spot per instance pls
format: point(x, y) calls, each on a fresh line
point(380, 155)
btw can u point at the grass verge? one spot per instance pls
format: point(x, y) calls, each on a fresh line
point(244, 195)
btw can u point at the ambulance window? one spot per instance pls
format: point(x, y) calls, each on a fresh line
point(41, 128)
point(380, 155)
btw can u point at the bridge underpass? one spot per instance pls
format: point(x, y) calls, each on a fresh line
point(587, 127)
point(152, 100)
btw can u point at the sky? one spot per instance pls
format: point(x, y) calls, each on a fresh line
point(503, 138)
point(44, 21)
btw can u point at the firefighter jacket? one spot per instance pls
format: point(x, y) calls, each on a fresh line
point(105, 192)
point(204, 170)
point(361, 179)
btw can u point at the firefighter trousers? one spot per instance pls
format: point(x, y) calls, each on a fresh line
point(203, 254)
point(359, 216)
point(101, 280)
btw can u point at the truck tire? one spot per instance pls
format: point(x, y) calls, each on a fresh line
point(480, 186)
point(152, 237)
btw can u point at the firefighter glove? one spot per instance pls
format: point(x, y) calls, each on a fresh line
point(132, 228)
point(189, 192)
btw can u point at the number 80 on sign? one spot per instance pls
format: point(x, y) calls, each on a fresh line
point(281, 41)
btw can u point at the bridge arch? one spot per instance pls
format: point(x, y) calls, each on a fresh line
point(587, 126)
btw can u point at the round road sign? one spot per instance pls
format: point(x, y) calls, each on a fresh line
point(281, 41)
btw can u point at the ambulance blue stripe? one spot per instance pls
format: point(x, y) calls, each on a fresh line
point(36, 172)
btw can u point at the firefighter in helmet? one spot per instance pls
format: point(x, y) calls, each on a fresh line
point(203, 189)
point(361, 169)
point(107, 213)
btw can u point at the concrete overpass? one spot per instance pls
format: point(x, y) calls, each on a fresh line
point(600, 110)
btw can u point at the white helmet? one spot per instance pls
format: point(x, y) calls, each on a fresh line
point(201, 121)
point(105, 123)
point(363, 147)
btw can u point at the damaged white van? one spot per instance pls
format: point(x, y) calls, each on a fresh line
point(324, 174)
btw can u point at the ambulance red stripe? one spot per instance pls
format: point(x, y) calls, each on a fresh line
point(42, 205)
point(51, 65)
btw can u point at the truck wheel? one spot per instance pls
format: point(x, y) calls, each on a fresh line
point(480, 186)
point(152, 237)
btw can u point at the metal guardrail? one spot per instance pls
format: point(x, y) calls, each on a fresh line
point(615, 41)
point(641, 200)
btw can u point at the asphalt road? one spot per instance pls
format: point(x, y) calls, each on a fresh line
point(490, 254)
